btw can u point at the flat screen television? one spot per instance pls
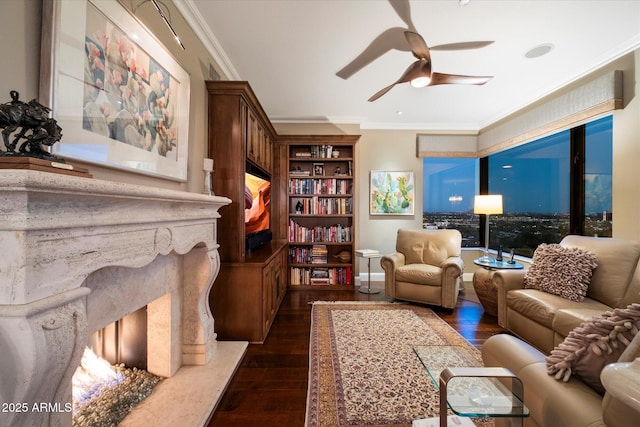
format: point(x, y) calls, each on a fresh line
point(257, 212)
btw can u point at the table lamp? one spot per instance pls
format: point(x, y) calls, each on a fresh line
point(487, 205)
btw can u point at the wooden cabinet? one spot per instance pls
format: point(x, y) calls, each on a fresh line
point(259, 143)
point(246, 295)
point(320, 210)
point(249, 288)
point(239, 133)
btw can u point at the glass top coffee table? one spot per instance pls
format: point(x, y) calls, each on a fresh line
point(472, 391)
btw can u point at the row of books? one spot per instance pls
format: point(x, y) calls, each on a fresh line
point(321, 151)
point(319, 186)
point(320, 276)
point(323, 206)
point(332, 234)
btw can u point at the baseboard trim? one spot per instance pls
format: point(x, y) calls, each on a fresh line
point(379, 277)
point(375, 277)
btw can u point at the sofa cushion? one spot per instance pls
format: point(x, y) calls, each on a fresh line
point(617, 262)
point(421, 274)
point(594, 344)
point(561, 271)
point(568, 318)
point(536, 305)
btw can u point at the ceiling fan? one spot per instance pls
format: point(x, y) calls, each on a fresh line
point(419, 73)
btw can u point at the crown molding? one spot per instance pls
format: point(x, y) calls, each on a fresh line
point(199, 26)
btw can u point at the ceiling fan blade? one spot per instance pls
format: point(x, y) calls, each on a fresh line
point(381, 92)
point(419, 68)
point(457, 79)
point(391, 39)
point(403, 9)
point(462, 45)
point(419, 47)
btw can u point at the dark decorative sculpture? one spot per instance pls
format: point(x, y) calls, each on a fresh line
point(27, 128)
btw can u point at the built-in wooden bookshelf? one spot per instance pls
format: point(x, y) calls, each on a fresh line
point(320, 210)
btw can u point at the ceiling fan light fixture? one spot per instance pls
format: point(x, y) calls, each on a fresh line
point(421, 81)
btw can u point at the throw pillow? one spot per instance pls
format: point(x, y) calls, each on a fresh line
point(593, 345)
point(561, 271)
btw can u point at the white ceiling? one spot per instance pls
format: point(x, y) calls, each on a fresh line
point(290, 51)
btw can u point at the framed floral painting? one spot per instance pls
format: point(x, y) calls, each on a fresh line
point(392, 193)
point(119, 95)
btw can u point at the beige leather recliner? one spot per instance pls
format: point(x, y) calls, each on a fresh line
point(544, 320)
point(426, 268)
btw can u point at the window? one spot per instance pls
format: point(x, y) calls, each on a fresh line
point(598, 177)
point(534, 181)
point(545, 194)
point(450, 184)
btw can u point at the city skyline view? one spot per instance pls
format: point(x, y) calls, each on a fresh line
point(534, 180)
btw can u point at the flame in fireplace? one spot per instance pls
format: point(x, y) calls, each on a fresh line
point(93, 374)
point(104, 394)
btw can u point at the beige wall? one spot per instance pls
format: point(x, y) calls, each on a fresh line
point(377, 149)
point(626, 155)
point(19, 48)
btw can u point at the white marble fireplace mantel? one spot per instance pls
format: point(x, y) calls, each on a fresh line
point(56, 231)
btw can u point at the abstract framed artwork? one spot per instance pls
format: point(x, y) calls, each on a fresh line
point(392, 193)
point(120, 97)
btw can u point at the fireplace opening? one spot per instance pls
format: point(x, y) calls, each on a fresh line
point(112, 378)
point(123, 341)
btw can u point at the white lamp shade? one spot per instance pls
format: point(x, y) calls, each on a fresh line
point(488, 204)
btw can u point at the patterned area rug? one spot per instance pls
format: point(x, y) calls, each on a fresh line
point(363, 370)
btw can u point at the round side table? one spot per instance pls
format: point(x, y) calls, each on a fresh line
point(483, 282)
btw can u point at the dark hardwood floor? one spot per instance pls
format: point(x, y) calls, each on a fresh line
point(270, 385)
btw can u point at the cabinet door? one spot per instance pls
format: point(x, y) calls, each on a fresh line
point(261, 148)
point(269, 153)
point(252, 140)
point(282, 275)
point(267, 296)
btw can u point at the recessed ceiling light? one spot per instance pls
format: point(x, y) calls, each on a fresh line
point(399, 113)
point(463, 2)
point(539, 50)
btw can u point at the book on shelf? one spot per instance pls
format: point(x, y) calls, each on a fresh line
point(319, 254)
point(298, 172)
point(303, 154)
point(367, 252)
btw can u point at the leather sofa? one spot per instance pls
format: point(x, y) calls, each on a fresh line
point(544, 320)
point(554, 403)
point(427, 267)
